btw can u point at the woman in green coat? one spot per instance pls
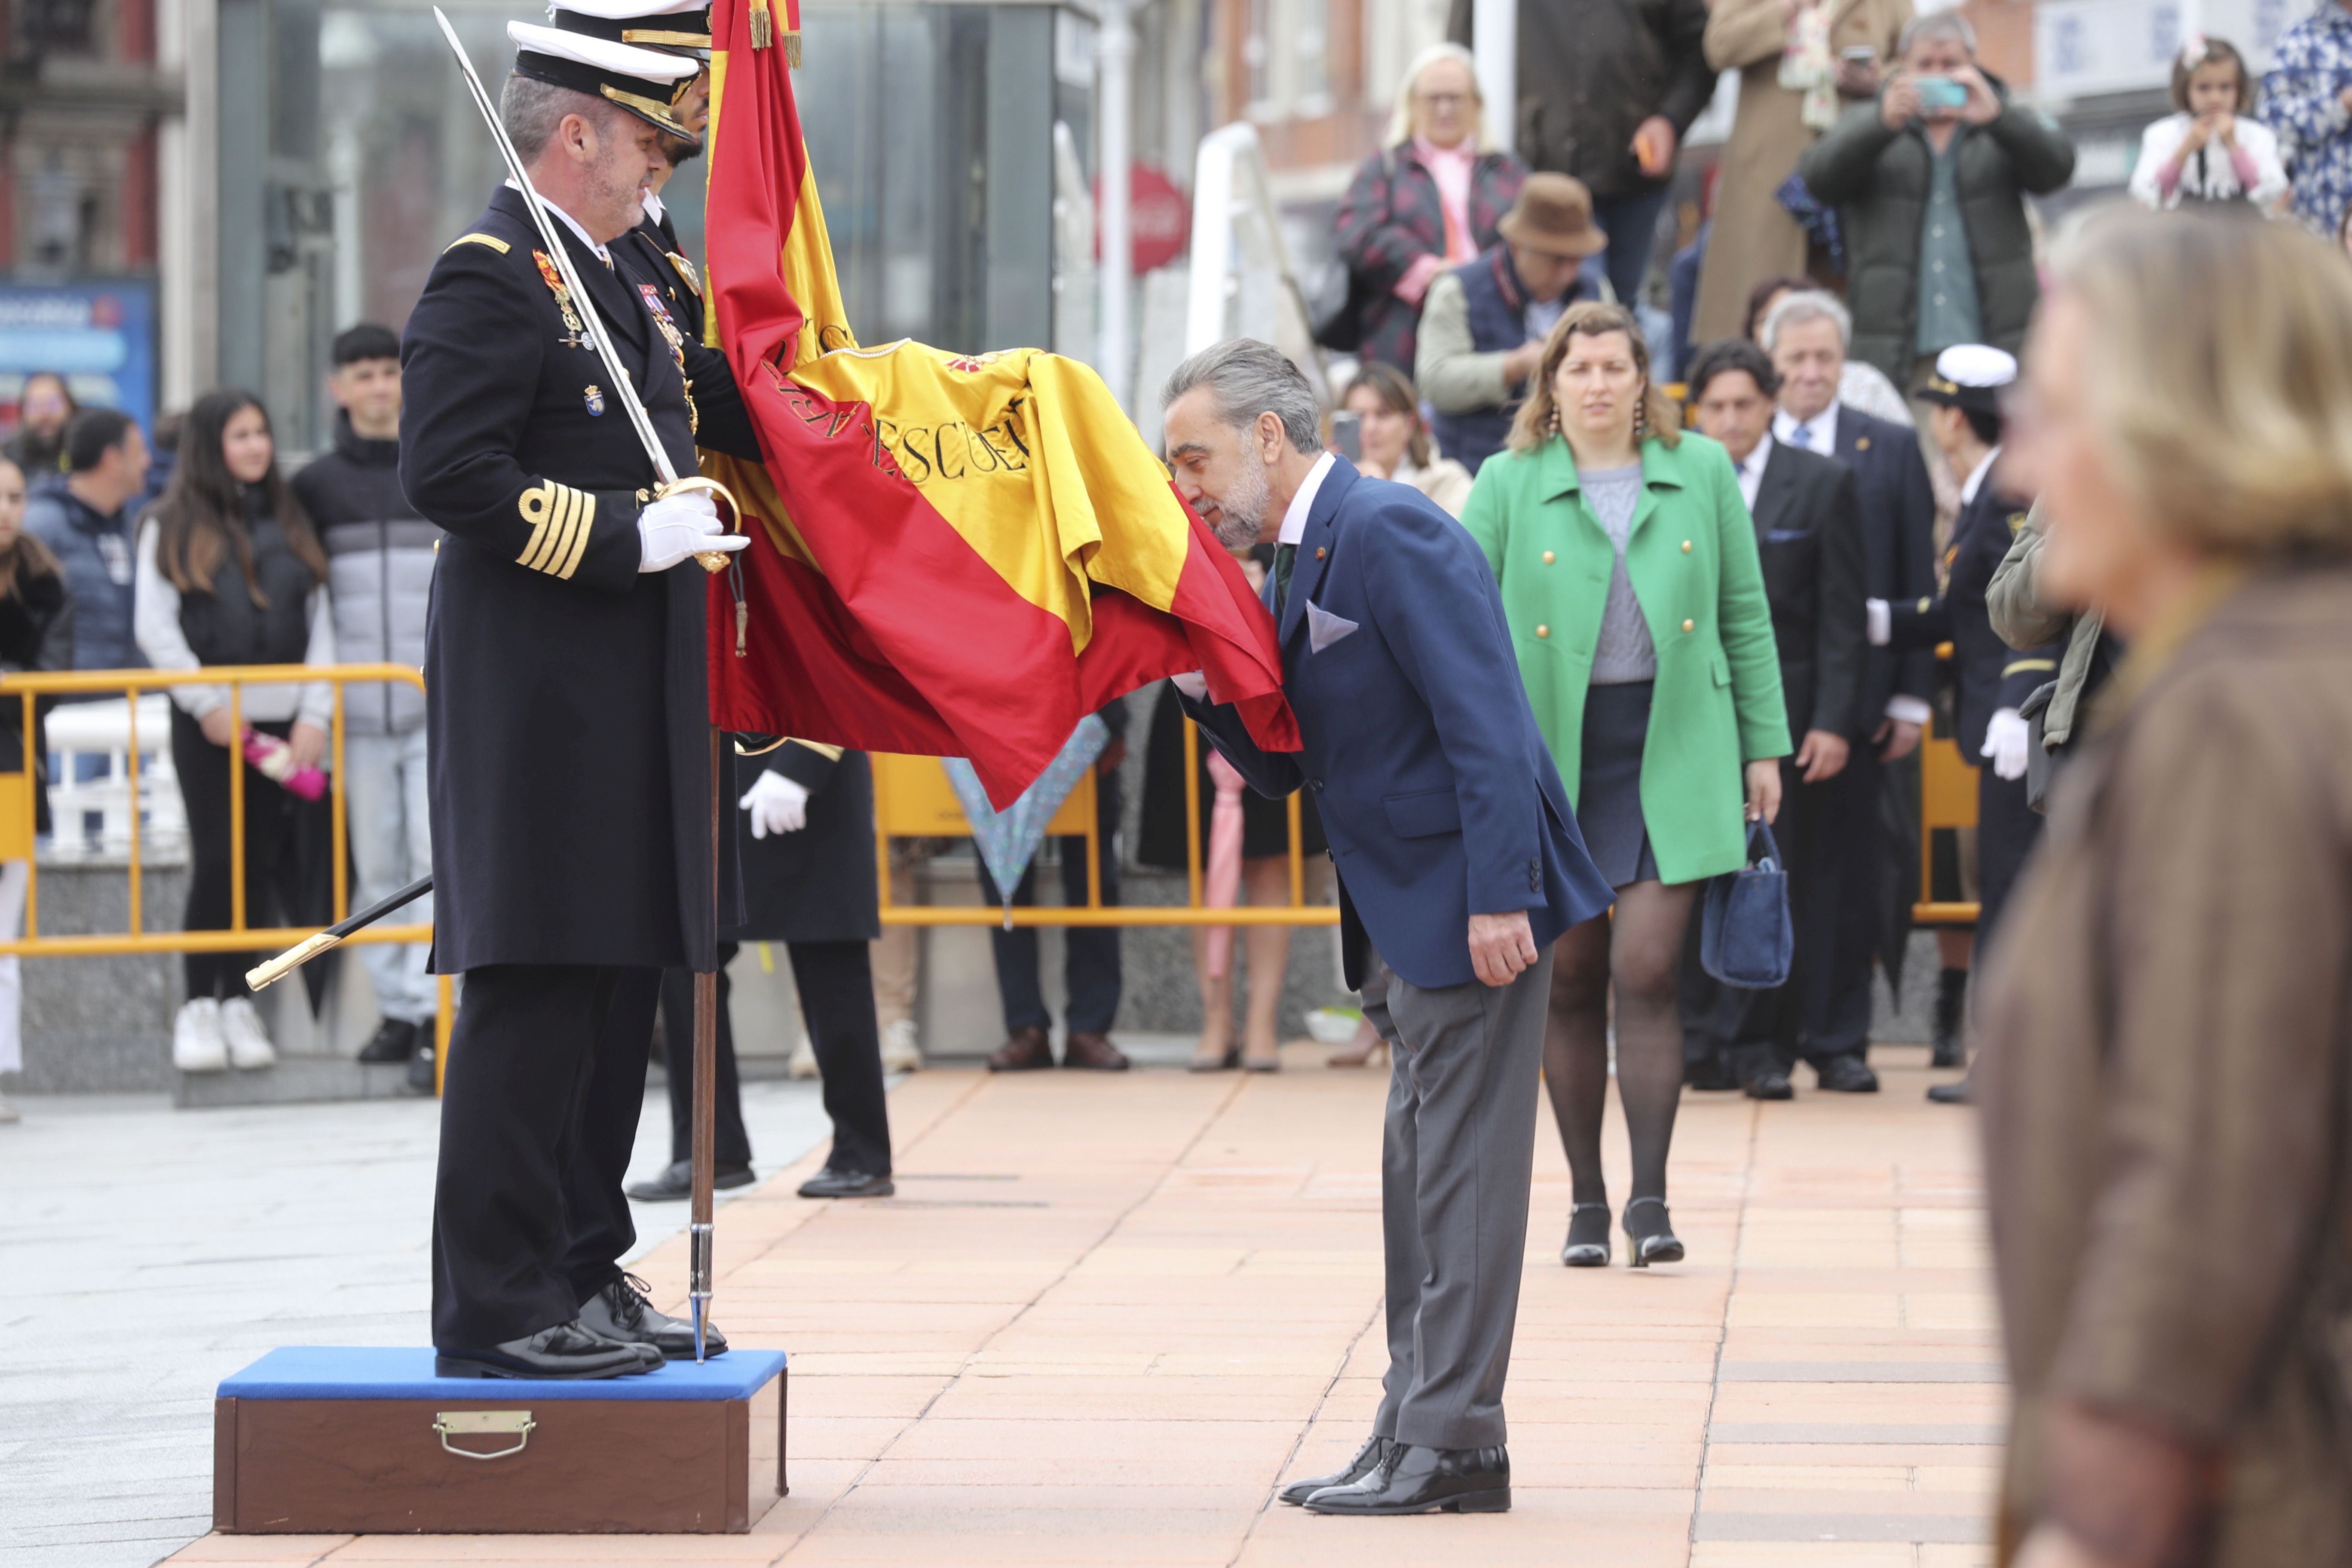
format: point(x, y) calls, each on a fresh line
point(1629, 573)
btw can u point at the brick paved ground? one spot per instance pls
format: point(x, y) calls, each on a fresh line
point(1107, 1315)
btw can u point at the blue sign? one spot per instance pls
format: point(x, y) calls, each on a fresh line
point(100, 336)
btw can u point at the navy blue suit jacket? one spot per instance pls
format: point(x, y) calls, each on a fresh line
point(1437, 792)
point(1898, 544)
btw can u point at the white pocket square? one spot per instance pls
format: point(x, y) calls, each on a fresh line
point(1324, 628)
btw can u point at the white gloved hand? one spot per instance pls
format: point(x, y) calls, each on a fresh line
point(2006, 739)
point(1878, 623)
point(1193, 684)
point(676, 527)
point(777, 804)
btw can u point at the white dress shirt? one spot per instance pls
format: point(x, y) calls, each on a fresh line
point(654, 208)
point(1751, 472)
point(1820, 432)
point(1294, 519)
point(1977, 478)
point(572, 222)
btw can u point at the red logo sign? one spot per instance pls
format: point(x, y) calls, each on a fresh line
point(1160, 218)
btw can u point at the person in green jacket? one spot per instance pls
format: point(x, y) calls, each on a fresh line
point(1630, 577)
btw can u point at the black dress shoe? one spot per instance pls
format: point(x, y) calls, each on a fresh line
point(565, 1351)
point(1845, 1073)
point(1769, 1084)
point(1952, 1093)
point(1367, 1458)
point(420, 1066)
point(395, 1040)
point(1588, 1237)
point(1650, 1234)
point(620, 1312)
point(1414, 1480)
point(675, 1183)
point(1709, 1073)
point(832, 1183)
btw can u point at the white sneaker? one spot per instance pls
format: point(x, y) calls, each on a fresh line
point(899, 1051)
point(197, 1043)
point(803, 1061)
point(248, 1042)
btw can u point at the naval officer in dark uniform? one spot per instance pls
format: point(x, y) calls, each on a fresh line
point(567, 713)
point(1992, 679)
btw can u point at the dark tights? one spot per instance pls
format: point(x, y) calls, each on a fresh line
point(1638, 950)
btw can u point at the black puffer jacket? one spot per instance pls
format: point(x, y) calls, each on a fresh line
point(1879, 180)
point(379, 571)
point(1589, 72)
point(36, 632)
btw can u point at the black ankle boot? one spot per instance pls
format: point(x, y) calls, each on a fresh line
point(1951, 1012)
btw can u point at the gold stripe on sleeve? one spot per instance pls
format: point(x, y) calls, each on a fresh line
point(492, 240)
point(559, 518)
point(2025, 666)
point(535, 505)
point(583, 524)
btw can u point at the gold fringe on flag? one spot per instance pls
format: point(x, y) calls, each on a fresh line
point(793, 49)
point(764, 29)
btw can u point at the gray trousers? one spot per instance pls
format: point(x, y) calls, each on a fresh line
point(1457, 1160)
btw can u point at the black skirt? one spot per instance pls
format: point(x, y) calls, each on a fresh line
point(1265, 823)
point(1608, 793)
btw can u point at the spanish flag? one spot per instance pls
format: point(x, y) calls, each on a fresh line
point(951, 555)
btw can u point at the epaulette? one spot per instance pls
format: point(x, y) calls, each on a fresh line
point(477, 237)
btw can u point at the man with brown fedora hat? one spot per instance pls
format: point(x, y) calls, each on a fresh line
point(1483, 324)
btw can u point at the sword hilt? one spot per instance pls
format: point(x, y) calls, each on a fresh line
point(711, 561)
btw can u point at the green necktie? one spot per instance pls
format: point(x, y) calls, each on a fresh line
point(1285, 556)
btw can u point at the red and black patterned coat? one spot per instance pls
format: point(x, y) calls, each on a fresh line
point(1391, 218)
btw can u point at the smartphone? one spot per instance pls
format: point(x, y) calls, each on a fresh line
point(1348, 434)
point(1940, 92)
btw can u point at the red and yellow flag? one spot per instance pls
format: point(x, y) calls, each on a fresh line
point(951, 555)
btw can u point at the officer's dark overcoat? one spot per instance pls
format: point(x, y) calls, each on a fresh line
point(565, 691)
point(818, 884)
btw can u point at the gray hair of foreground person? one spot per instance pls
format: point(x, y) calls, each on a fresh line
point(1246, 378)
point(1796, 309)
point(2224, 379)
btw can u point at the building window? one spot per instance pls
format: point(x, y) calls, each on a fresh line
point(1311, 48)
point(1258, 58)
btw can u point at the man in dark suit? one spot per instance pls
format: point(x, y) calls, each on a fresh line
point(1457, 855)
point(567, 721)
point(1874, 802)
point(1808, 534)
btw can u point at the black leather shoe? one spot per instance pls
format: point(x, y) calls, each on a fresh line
point(675, 1183)
point(420, 1066)
point(1952, 1093)
point(566, 1352)
point(1769, 1084)
point(620, 1312)
point(1588, 1237)
point(1367, 1459)
point(1709, 1073)
point(1650, 1234)
point(832, 1183)
point(1846, 1073)
point(395, 1040)
point(1414, 1480)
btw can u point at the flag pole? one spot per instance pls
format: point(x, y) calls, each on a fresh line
point(706, 1093)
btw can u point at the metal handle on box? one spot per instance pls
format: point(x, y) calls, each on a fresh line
point(471, 1423)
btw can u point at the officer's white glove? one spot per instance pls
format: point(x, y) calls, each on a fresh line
point(1878, 623)
point(1193, 684)
point(2006, 739)
point(676, 527)
point(776, 803)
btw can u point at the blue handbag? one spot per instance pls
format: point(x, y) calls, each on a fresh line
point(1746, 937)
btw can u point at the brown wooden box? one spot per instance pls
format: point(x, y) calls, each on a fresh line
point(322, 1448)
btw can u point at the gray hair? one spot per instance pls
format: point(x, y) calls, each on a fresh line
point(531, 109)
point(1796, 309)
point(1938, 24)
point(1246, 378)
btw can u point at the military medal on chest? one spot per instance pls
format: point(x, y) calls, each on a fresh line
point(577, 338)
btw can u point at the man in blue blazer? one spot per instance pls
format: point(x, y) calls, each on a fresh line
point(1458, 858)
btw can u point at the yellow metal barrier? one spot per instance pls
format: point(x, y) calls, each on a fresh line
point(18, 802)
point(1948, 798)
point(912, 799)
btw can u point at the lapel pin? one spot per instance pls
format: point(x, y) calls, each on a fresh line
point(1862, 443)
point(594, 398)
point(1319, 553)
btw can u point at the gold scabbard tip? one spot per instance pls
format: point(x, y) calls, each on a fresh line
point(264, 975)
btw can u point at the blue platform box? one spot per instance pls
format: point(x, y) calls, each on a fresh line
point(328, 1440)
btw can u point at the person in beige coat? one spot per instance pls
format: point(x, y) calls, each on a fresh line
point(1754, 238)
point(2167, 1077)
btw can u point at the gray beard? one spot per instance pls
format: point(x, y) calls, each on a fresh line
point(1242, 518)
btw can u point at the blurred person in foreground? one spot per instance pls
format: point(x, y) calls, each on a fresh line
point(2168, 1050)
point(1629, 575)
point(36, 632)
point(1395, 444)
point(1808, 534)
point(1458, 856)
point(1433, 197)
point(1486, 321)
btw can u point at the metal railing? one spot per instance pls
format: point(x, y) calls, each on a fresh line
point(20, 803)
point(912, 799)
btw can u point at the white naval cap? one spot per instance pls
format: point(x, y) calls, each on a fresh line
point(1970, 375)
point(675, 24)
point(647, 82)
